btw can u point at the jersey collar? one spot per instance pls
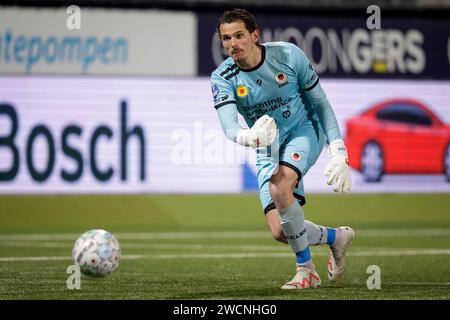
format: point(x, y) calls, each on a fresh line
point(263, 58)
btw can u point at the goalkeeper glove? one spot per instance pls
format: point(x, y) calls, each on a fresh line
point(338, 170)
point(261, 134)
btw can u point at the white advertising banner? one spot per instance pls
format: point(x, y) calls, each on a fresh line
point(88, 41)
point(69, 135)
point(102, 135)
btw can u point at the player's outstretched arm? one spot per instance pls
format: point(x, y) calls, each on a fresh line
point(337, 170)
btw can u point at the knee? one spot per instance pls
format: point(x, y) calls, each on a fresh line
point(281, 184)
point(275, 189)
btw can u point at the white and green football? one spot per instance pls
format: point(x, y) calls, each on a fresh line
point(97, 253)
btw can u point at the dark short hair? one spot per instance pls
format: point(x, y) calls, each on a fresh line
point(238, 14)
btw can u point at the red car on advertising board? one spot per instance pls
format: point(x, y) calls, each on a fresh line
point(398, 136)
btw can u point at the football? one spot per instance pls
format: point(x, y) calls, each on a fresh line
point(97, 253)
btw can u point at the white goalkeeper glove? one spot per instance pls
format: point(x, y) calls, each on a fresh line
point(338, 170)
point(261, 134)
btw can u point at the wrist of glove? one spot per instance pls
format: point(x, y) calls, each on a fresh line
point(338, 170)
point(261, 134)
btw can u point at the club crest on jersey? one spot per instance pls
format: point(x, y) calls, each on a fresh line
point(281, 78)
point(296, 156)
point(241, 91)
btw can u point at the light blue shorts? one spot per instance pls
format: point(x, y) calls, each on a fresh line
point(299, 150)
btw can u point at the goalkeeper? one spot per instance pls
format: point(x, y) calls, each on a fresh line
point(275, 88)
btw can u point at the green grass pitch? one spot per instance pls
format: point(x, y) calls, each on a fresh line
point(219, 247)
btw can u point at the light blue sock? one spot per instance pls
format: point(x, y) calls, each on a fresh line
point(292, 221)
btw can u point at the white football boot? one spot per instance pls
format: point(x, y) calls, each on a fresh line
point(304, 278)
point(336, 258)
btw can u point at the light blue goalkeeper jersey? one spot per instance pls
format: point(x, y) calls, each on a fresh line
point(284, 85)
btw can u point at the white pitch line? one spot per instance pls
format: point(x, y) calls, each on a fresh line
point(379, 253)
point(431, 232)
point(371, 253)
point(257, 249)
point(402, 232)
point(134, 245)
point(14, 259)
